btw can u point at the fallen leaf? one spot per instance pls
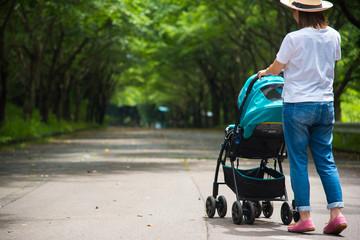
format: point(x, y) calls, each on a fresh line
point(106, 150)
point(149, 225)
point(119, 183)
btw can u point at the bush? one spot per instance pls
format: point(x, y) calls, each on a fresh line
point(17, 128)
point(349, 142)
point(350, 106)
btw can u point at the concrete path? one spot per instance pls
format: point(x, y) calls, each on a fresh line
point(140, 184)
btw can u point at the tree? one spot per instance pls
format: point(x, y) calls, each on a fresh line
point(344, 19)
point(65, 58)
point(6, 7)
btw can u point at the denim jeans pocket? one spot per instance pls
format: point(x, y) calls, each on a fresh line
point(304, 113)
point(331, 114)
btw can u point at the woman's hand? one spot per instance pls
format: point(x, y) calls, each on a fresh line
point(274, 69)
point(263, 73)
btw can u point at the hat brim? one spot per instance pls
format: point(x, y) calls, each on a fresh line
point(325, 5)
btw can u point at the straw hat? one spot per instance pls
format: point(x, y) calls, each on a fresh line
point(307, 5)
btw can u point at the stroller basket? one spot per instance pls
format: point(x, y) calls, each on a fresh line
point(252, 182)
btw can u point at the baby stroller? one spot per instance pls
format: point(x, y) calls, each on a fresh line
point(257, 134)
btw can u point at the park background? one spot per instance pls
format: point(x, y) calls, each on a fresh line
point(71, 65)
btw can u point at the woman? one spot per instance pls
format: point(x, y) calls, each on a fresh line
point(308, 58)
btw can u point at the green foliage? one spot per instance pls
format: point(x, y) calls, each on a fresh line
point(17, 128)
point(191, 56)
point(350, 106)
point(350, 142)
point(205, 50)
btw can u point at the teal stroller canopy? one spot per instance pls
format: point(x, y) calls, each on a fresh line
point(263, 104)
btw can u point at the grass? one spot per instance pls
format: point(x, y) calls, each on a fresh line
point(17, 129)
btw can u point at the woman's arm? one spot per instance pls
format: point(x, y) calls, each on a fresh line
point(274, 69)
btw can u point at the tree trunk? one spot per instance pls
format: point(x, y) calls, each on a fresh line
point(196, 115)
point(36, 58)
point(90, 110)
point(44, 106)
point(210, 75)
point(3, 78)
point(48, 95)
point(30, 88)
point(215, 108)
point(349, 15)
point(78, 99)
point(337, 108)
point(4, 64)
point(66, 93)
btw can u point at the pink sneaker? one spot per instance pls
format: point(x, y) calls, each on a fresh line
point(336, 226)
point(305, 226)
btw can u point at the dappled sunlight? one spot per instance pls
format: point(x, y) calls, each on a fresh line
point(112, 150)
point(112, 175)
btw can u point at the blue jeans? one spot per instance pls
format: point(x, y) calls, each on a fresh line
point(311, 124)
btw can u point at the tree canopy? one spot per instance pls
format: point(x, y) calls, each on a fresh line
point(71, 59)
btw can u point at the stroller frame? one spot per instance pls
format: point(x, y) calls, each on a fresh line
point(251, 207)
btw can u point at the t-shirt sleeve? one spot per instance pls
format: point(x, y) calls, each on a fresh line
point(284, 54)
point(338, 48)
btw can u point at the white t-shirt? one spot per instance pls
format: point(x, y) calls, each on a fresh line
point(309, 56)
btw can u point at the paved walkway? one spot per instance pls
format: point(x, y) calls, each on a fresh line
point(140, 184)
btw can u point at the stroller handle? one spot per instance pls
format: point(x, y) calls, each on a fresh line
point(248, 90)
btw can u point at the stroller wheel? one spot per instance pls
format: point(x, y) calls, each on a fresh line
point(237, 212)
point(221, 206)
point(249, 212)
point(210, 206)
point(286, 213)
point(257, 206)
point(296, 214)
point(268, 209)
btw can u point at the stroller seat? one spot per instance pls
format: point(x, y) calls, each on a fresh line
point(265, 142)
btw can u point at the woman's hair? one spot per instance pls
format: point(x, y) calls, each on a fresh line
point(312, 19)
